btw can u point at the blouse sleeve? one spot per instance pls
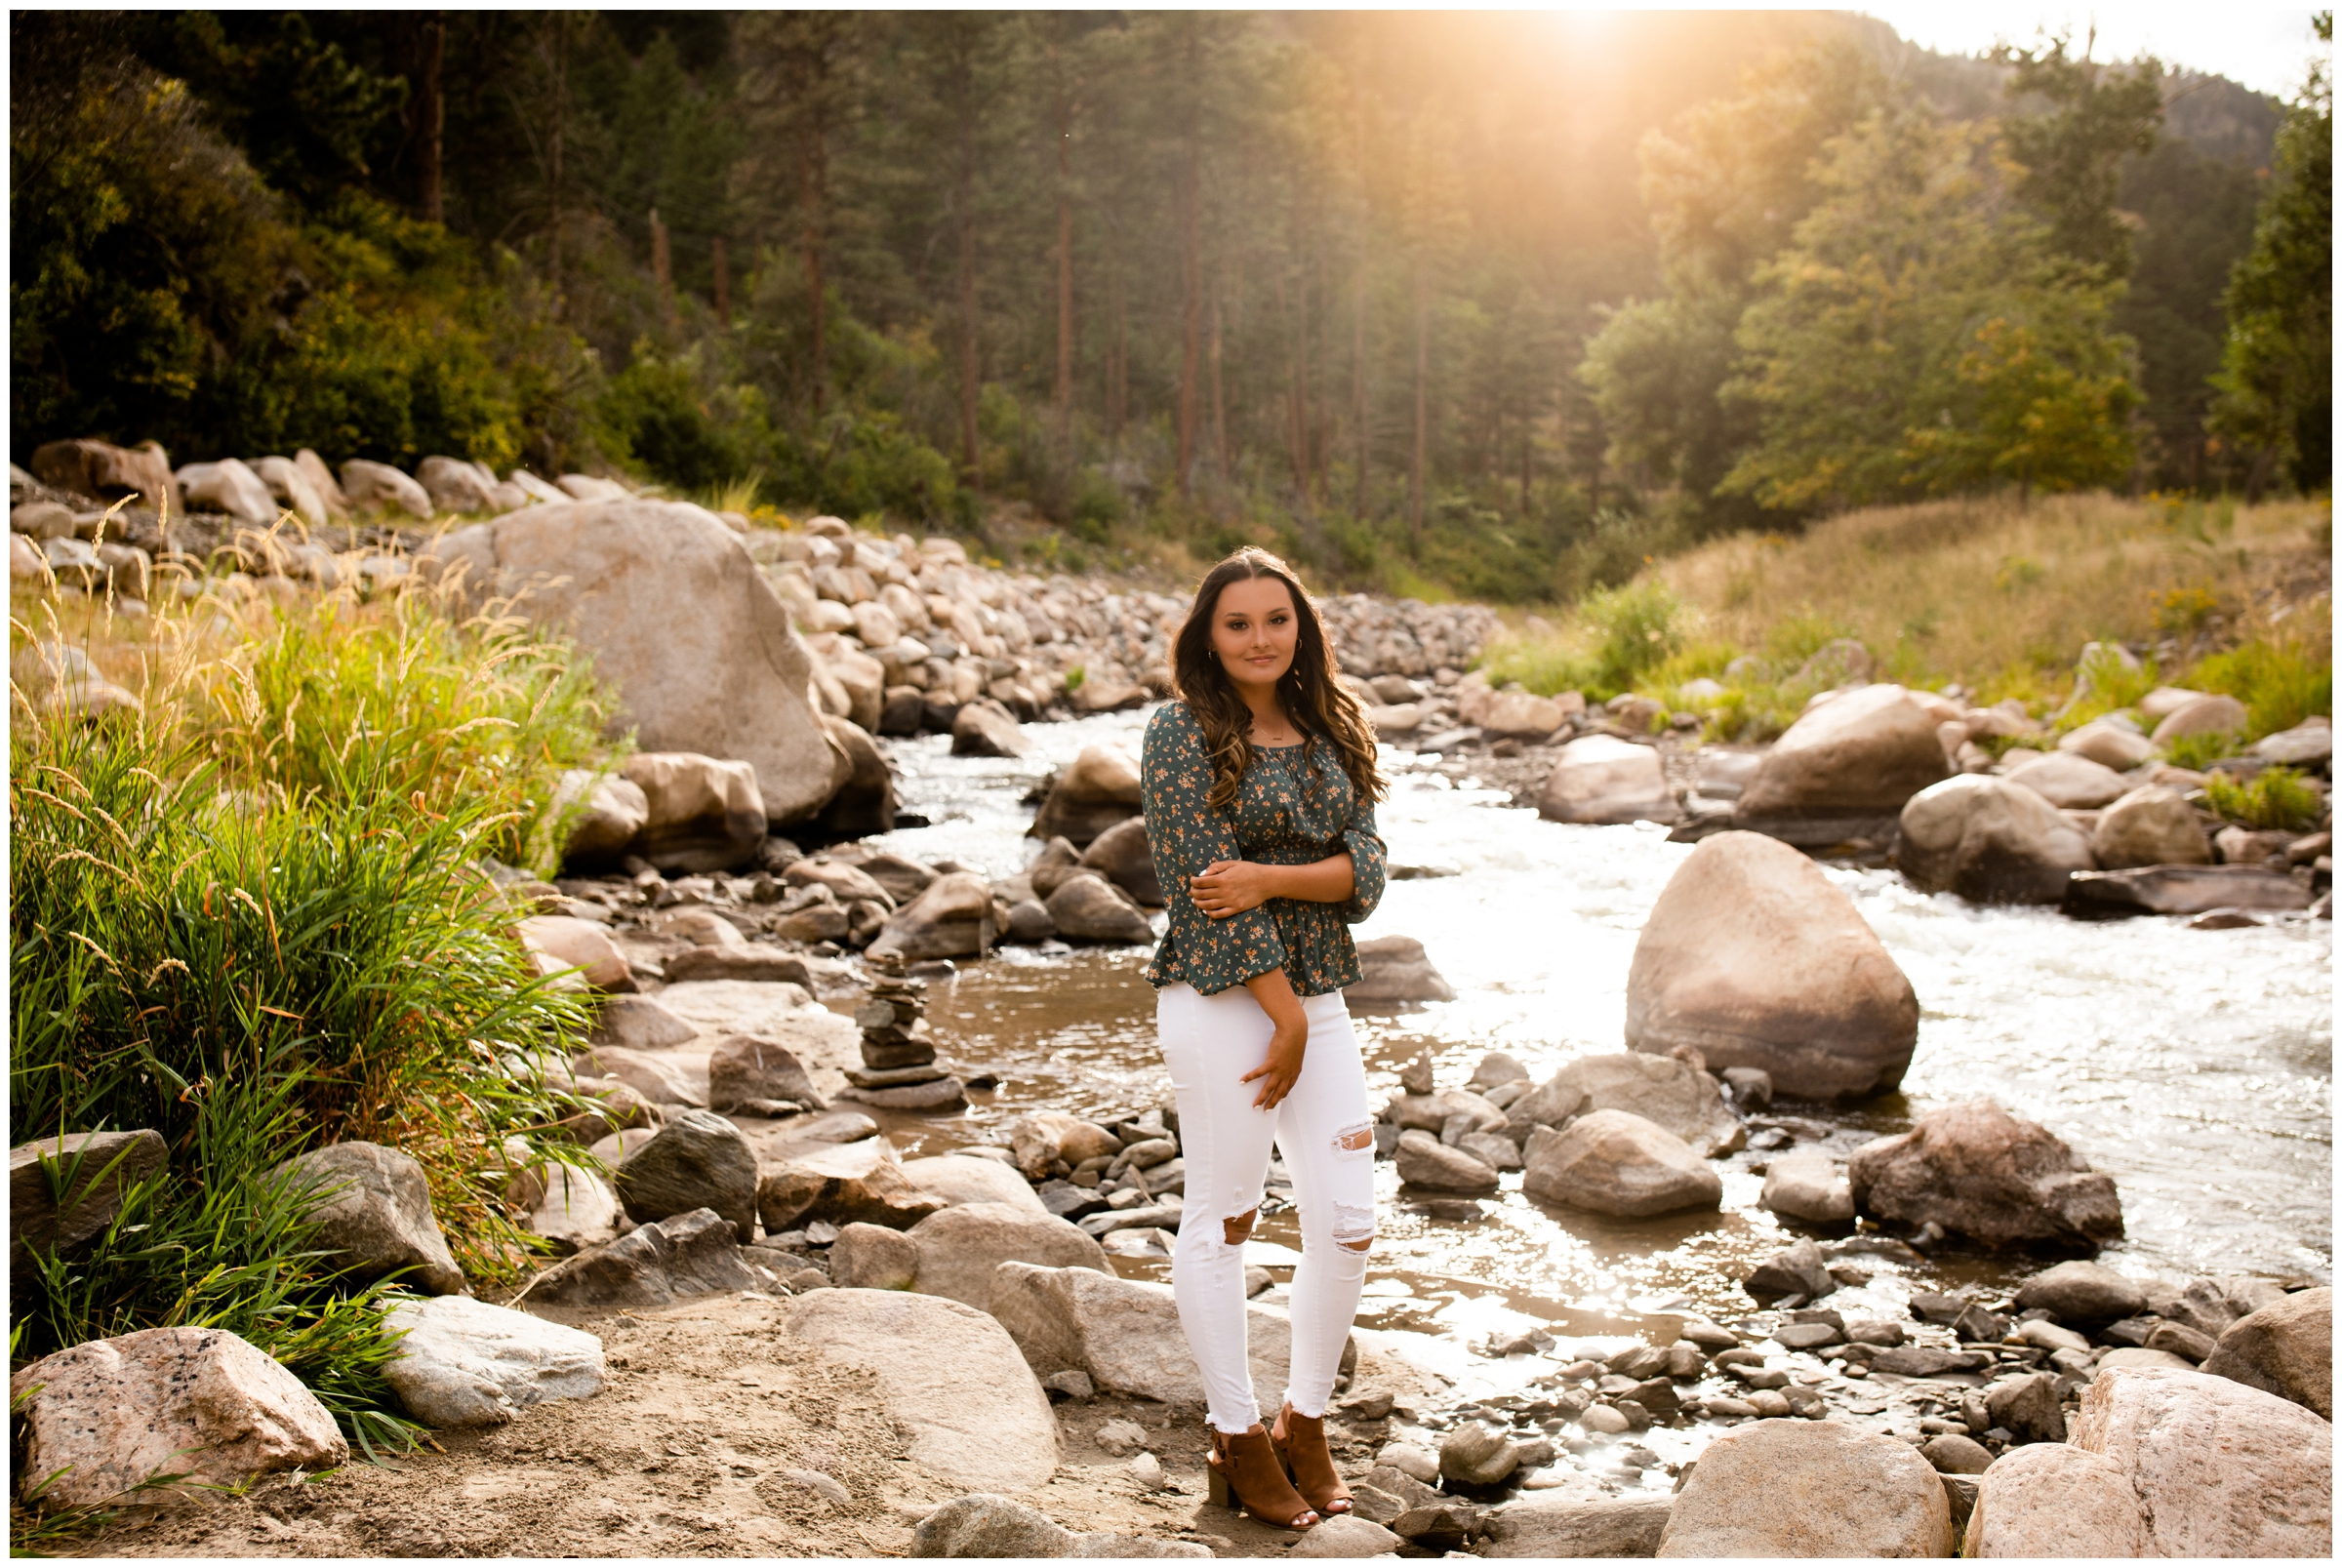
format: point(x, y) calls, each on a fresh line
point(1369, 862)
point(1185, 835)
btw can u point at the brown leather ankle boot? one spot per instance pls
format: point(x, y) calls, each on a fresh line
point(1300, 1441)
point(1245, 1474)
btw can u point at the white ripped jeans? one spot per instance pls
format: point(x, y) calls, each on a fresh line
point(1325, 1133)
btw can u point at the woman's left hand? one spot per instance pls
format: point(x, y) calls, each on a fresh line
point(1230, 887)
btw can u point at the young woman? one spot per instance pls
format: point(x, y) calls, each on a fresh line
point(1259, 786)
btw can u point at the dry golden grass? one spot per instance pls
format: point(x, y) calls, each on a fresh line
point(1989, 589)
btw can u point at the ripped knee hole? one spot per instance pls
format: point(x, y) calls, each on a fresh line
point(1236, 1230)
point(1359, 1245)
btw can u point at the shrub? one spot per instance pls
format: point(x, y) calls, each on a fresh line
point(2279, 683)
point(2272, 798)
point(2203, 748)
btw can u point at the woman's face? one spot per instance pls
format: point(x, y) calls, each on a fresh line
point(1255, 631)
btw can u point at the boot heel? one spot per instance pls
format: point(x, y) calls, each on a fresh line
point(1216, 1489)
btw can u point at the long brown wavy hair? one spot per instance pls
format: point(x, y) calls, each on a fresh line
point(1319, 706)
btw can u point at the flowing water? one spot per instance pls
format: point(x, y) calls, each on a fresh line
point(2196, 1068)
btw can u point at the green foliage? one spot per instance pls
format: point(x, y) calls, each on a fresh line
point(2279, 682)
point(2203, 748)
point(2272, 798)
point(2106, 685)
point(655, 414)
point(2072, 155)
point(1922, 342)
point(2275, 380)
point(1619, 635)
point(168, 938)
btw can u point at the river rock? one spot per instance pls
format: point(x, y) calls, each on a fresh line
point(1085, 908)
point(376, 487)
point(1797, 1269)
point(290, 488)
point(1346, 1536)
point(2070, 780)
point(2056, 1501)
point(1954, 1455)
point(1618, 1163)
point(197, 1403)
point(575, 1209)
point(578, 945)
point(2220, 1470)
point(679, 619)
point(1423, 1161)
point(610, 815)
point(2108, 744)
point(2287, 1349)
point(1125, 1333)
point(106, 473)
point(93, 1170)
point(1991, 841)
point(840, 1184)
point(2082, 1292)
point(374, 1214)
point(2209, 714)
point(2027, 1407)
point(698, 1160)
point(1862, 754)
point(2182, 889)
point(662, 1077)
point(863, 802)
point(1099, 788)
point(1601, 779)
point(321, 482)
point(2152, 825)
point(453, 486)
point(1043, 1137)
point(959, 1248)
point(1478, 1454)
point(464, 1363)
point(1809, 1489)
point(871, 1257)
point(231, 487)
point(976, 1413)
point(1609, 1527)
point(700, 814)
point(985, 729)
point(747, 960)
point(1123, 856)
point(2309, 743)
point(984, 1524)
point(691, 1253)
point(1979, 1172)
point(1754, 957)
point(1666, 1091)
point(951, 919)
point(966, 1179)
point(2138, 1356)
point(1394, 971)
point(770, 1011)
point(743, 1068)
point(1808, 1186)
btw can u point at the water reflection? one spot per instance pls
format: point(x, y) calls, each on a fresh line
point(2194, 1067)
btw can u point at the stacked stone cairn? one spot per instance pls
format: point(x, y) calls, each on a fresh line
point(898, 1069)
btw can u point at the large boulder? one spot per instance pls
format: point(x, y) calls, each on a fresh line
point(863, 802)
point(841, 1184)
point(1423, 1161)
point(951, 919)
point(744, 1068)
point(1394, 971)
point(1099, 788)
point(1663, 1090)
point(1808, 1184)
point(1862, 753)
point(2206, 714)
point(2082, 1292)
point(2287, 1349)
point(575, 1209)
point(229, 487)
point(1618, 1163)
point(2070, 780)
point(1601, 779)
point(1786, 1488)
point(2151, 826)
point(977, 1415)
point(1123, 856)
point(92, 1172)
point(2220, 1470)
point(106, 473)
point(110, 1415)
point(679, 619)
point(1521, 715)
point(960, 1247)
point(695, 1253)
point(609, 816)
point(2108, 743)
point(985, 729)
point(2056, 1501)
point(569, 942)
point(376, 487)
point(288, 486)
point(1125, 1333)
point(1754, 957)
point(1990, 840)
point(1979, 1172)
point(966, 1179)
point(322, 483)
point(770, 1010)
point(700, 813)
point(454, 486)
point(1087, 908)
point(464, 1363)
point(1578, 1527)
point(374, 1215)
point(2182, 889)
point(985, 1524)
point(698, 1160)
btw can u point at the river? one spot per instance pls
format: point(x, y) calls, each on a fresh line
point(2194, 1067)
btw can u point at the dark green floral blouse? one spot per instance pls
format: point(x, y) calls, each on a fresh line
point(1288, 812)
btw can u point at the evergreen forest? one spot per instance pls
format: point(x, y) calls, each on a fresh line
point(1490, 304)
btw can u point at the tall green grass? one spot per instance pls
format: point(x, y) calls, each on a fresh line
point(2280, 681)
point(2274, 797)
